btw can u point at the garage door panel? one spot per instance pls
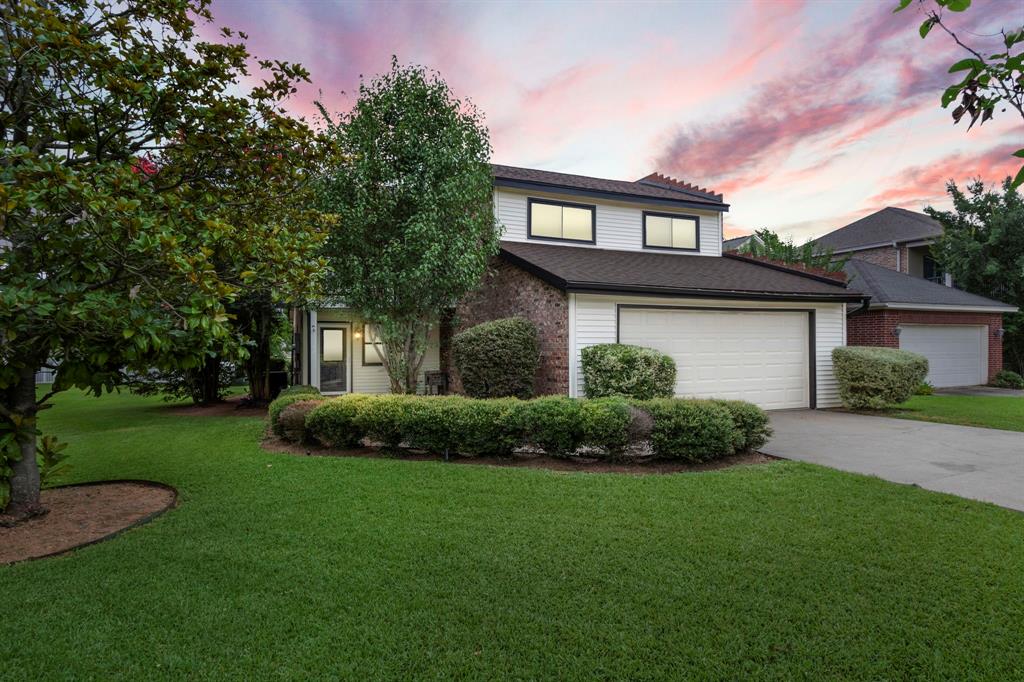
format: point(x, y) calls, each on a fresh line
point(757, 356)
point(957, 354)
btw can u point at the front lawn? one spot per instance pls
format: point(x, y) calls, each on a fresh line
point(994, 412)
point(283, 566)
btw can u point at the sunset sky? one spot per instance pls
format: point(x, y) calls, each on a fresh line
point(807, 115)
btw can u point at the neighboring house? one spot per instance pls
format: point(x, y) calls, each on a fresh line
point(913, 303)
point(961, 334)
point(737, 243)
point(894, 238)
point(591, 261)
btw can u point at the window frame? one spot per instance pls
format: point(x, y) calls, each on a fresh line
point(661, 214)
point(553, 202)
point(366, 336)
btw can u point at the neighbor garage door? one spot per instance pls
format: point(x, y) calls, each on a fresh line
point(957, 354)
point(758, 356)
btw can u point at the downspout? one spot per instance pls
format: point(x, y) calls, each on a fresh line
point(864, 302)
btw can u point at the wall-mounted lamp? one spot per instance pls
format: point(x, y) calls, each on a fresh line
point(896, 332)
point(1000, 332)
point(357, 335)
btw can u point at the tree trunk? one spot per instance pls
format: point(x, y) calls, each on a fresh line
point(208, 389)
point(257, 365)
point(25, 476)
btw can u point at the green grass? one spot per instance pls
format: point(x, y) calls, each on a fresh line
point(277, 566)
point(994, 412)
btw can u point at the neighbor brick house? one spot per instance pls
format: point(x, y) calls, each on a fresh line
point(914, 305)
point(592, 260)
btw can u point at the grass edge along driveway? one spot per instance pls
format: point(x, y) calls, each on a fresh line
point(993, 412)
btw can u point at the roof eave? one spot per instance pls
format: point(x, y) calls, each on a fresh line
point(601, 194)
point(940, 307)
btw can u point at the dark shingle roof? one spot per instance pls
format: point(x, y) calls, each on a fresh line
point(886, 226)
point(888, 286)
point(660, 193)
point(735, 242)
point(589, 269)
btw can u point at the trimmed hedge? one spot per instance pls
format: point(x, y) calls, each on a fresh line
point(297, 389)
point(283, 401)
point(876, 378)
point(498, 359)
point(1008, 379)
point(611, 369)
point(292, 420)
point(692, 430)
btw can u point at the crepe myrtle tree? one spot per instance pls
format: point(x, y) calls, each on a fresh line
point(414, 197)
point(137, 178)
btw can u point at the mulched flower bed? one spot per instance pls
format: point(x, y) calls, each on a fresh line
point(523, 460)
point(83, 514)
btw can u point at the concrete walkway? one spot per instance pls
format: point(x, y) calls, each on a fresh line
point(982, 464)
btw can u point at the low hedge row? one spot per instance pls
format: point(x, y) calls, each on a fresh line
point(289, 396)
point(692, 430)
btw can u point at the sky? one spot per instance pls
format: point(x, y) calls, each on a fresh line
point(805, 114)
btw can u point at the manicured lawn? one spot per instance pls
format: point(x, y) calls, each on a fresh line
point(970, 410)
point(282, 566)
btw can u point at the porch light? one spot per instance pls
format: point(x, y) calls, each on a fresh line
point(357, 335)
point(896, 332)
point(1000, 332)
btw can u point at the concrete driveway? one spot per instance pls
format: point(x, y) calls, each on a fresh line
point(982, 464)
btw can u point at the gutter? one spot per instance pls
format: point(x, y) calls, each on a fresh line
point(939, 307)
point(864, 303)
point(608, 194)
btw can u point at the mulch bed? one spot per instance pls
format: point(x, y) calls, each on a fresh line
point(235, 406)
point(84, 514)
point(522, 460)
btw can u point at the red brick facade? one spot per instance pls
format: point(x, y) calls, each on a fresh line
point(885, 256)
point(875, 328)
point(508, 291)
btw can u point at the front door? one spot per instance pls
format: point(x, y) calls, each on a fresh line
point(334, 359)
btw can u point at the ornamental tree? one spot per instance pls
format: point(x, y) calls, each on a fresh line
point(982, 247)
point(414, 197)
point(142, 186)
point(771, 246)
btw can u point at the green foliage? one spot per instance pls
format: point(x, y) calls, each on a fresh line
point(611, 369)
point(982, 247)
point(553, 423)
point(278, 405)
point(751, 422)
point(991, 78)
point(455, 424)
point(770, 246)
point(299, 389)
point(877, 378)
point(1008, 379)
point(291, 422)
point(335, 422)
point(385, 418)
point(143, 185)
point(498, 358)
point(180, 384)
point(691, 430)
point(606, 424)
point(924, 388)
point(413, 202)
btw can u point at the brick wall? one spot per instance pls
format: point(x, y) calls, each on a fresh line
point(508, 291)
point(875, 328)
point(883, 255)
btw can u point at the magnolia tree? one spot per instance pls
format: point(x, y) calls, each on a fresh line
point(142, 187)
point(414, 196)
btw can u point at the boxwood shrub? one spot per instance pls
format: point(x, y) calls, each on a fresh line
point(553, 423)
point(751, 422)
point(606, 424)
point(299, 388)
point(497, 359)
point(336, 422)
point(873, 378)
point(283, 401)
point(692, 430)
point(611, 369)
point(1008, 379)
point(292, 421)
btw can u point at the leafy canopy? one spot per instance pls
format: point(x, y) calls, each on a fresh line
point(770, 246)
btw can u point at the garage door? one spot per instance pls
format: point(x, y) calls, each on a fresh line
point(957, 354)
point(757, 356)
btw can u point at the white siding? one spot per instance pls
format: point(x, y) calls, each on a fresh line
point(619, 225)
point(595, 322)
point(373, 378)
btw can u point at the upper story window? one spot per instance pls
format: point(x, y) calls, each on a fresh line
point(932, 271)
point(671, 231)
point(562, 221)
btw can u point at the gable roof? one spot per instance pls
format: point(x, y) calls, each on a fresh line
point(737, 242)
point(579, 269)
point(890, 288)
point(883, 227)
point(646, 190)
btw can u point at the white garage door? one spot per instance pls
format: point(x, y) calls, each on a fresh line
point(761, 357)
point(957, 354)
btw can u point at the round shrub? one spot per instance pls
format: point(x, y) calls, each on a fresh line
point(876, 378)
point(299, 389)
point(497, 359)
point(553, 423)
point(1008, 379)
point(751, 422)
point(336, 422)
point(692, 430)
point(292, 421)
point(611, 369)
point(281, 402)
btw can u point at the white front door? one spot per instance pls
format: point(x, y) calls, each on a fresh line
point(957, 353)
point(753, 355)
point(334, 366)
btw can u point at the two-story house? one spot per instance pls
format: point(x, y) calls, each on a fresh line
point(591, 261)
point(914, 305)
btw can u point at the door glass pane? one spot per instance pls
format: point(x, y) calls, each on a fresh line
point(333, 368)
point(577, 223)
point(684, 233)
point(659, 231)
point(545, 220)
